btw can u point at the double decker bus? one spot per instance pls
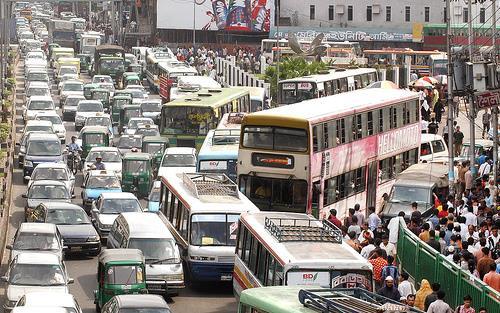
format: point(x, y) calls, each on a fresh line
point(202, 210)
point(420, 61)
point(169, 72)
point(327, 153)
point(153, 57)
point(328, 83)
point(186, 121)
point(290, 249)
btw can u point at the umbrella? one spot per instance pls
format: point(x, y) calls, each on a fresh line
point(429, 79)
point(422, 84)
point(384, 84)
point(442, 79)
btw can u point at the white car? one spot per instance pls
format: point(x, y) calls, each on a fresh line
point(34, 272)
point(64, 78)
point(152, 109)
point(111, 157)
point(178, 160)
point(134, 122)
point(101, 119)
point(70, 105)
point(138, 95)
point(57, 123)
point(53, 171)
point(97, 79)
point(49, 300)
point(37, 89)
point(85, 109)
point(37, 238)
point(34, 63)
point(36, 54)
point(37, 105)
point(70, 87)
point(44, 309)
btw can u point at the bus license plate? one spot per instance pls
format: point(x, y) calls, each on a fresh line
point(226, 277)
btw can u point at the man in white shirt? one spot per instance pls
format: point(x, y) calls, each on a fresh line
point(470, 217)
point(393, 227)
point(389, 248)
point(485, 168)
point(493, 238)
point(439, 306)
point(405, 287)
point(365, 252)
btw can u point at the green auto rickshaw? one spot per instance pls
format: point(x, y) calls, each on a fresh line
point(137, 173)
point(119, 272)
point(87, 90)
point(118, 103)
point(122, 92)
point(94, 136)
point(102, 94)
point(155, 146)
point(51, 47)
point(126, 113)
point(131, 80)
point(85, 61)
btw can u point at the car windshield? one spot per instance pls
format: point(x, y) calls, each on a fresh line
point(178, 160)
point(72, 87)
point(117, 206)
point(132, 124)
point(410, 194)
point(102, 79)
point(50, 173)
point(38, 77)
point(67, 217)
point(111, 182)
point(39, 128)
point(124, 275)
point(55, 119)
point(41, 105)
point(44, 148)
point(148, 132)
point(98, 121)
point(92, 138)
point(72, 101)
point(136, 94)
point(129, 142)
point(37, 275)
point(151, 107)
point(155, 249)
point(153, 148)
point(48, 192)
point(36, 241)
point(107, 156)
point(90, 107)
point(214, 229)
point(136, 166)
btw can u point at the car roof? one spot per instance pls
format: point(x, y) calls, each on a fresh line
point(38, 227)
point(38, 123)
point(38, 84)
point(90, 101)
point(38, 258)
point(180, 150)
point(104, 149)
point(41, 98)
point(141, 301)
point(76, 96)
point(43, 137)
point(55, 299)
point(48, 113)
point(51, 165)
point(146, 225)
point(44, 182)
point(102, 173)
point(61, 205)
point(118, 195)
point(130, 255)
point(40, 309)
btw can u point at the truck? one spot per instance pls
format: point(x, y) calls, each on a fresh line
point(62, 32)
point(109, 60)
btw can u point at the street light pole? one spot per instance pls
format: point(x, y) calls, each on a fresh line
point(495, 110)
point(277, 50)
point(472, 111)
point(451, 151)
point(194, 24)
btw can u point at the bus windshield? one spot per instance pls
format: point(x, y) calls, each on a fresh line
point(297, 92)
point(275, 138)
point(214, 229)
point(189, 120)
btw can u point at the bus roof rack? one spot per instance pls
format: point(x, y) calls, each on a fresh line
point(300, 229)
point(209, 184)
point(350, 300)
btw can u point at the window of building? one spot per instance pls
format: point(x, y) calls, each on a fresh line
point(349, 12)
point(466, 15)
point(369, 13)
point(388, 14)
point(427, 14)
point(482, 15)
point(312, 12)
point(407, 14)
point(331, 12)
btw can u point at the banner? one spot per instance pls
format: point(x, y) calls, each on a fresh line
point(229, 15)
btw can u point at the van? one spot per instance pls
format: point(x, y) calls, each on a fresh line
point(420, 183)
point(432, 148)
point(42, 148)
point(148, 233)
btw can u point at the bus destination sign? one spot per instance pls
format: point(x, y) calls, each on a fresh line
point(272, 160)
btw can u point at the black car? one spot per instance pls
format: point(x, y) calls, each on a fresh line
point(77, 231)
point(136, 303)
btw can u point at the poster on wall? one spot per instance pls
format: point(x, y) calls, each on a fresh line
point(228, 15)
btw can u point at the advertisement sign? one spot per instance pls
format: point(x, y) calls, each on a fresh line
point(272, 160)
point(228, 15)
point(213, 165)
point(321, 279)
point(488, 99)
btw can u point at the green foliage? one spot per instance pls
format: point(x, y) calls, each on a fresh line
point(291, 68)
point(4, 131)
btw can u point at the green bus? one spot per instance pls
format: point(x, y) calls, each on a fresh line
point(186, 121)
point(277, 299)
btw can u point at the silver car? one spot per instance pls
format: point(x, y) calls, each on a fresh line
point(53, 171)
point(36, 237)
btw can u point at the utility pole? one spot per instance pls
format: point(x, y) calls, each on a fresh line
point(495, 110)
point(3, 60)
point(451, 152)
point(194, 25)
point(277, 50)
point(472, 111)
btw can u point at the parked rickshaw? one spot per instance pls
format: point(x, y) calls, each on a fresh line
point(126, 113)
point(102, 94)
point(85, 61)
point(119, 101)
point(94, 136)
point(137, 173)
point(131, 80)
point(119, 271)
point(155, 146)
point(87, 90)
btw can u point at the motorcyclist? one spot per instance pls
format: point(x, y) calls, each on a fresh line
point(74, 146)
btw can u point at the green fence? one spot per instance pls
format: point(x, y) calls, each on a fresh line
point(421, 261)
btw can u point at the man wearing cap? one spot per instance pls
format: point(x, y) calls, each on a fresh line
point(389, 290)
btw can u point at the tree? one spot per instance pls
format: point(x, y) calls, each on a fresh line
point(291, 68)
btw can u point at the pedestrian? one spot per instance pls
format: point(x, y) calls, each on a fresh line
point(424, 235)
point(422, 293)
point(416, 215)
point(367, 248)
point(492, 278)
point(378, 263)
point(393, 227)
point(433, 296)
point(469, 179)
point(433, 126)
point(486, 122)
point(359, 214)
point(389, 247)
point(483, 265)
point(406, 287)
point(352, 241)
point(354, 226)
point(438, 111)
point(410, 300)
point(390, 270)
point(439, 306)
point(389, 290)
point(333, 218)
point(366, 233)
point(348, 219)
point(373, 219)
point(485, 168)
point(466, 306)
point(458, 139)
point(433, 242)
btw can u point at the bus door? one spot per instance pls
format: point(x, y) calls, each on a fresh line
point(371, 183)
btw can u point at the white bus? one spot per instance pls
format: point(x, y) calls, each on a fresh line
point(202, 211)
point(153, 56)
point(169, 73)
point(279, 248)
point(190, 84)
point(329, 83)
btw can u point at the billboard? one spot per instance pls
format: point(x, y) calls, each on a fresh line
point(229, 15)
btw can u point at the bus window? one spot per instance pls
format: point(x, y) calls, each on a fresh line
point(343, 84)
point(340, 131)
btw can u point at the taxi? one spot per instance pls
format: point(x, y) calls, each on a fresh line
point(95, 183)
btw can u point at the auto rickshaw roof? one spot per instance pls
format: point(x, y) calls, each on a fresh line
point(132, 106)
point(126, 74)
point(101, 89)
point(122, 96)
point(154, 139)
point(91, 85)
point(121, 255)
point(94, 129)
point(136, 156)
